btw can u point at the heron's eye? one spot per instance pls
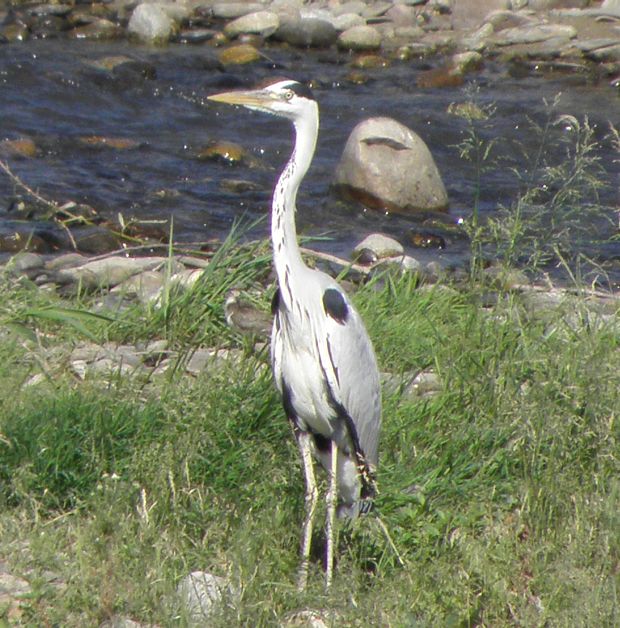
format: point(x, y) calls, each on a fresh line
point(288, 94)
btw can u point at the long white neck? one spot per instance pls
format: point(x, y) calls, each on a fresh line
point(286, 255)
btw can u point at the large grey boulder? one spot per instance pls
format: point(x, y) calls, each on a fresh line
point(385, 165)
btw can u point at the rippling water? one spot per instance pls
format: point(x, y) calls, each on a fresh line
point(52, 94)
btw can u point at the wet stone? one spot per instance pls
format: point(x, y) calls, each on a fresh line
point(467, 110)
point(59, 10)
point(414, 50)
point(22, 147)
point(101, 141)
point(467, 61)
point(195, 36)
point(48, 26)
point(239, 55)
point(238, 186)
point(96, 30)
point(381, 245)
point(134, 70)
point(426, 240)
point(444, 76)
point(23, 239)
point(108, 63)
point(82, 16)
point(357, 78)
point(252, 39)
point(14, 32)
point(370, 61)
point(365, 257)
point(95, 240)
point(226, 152)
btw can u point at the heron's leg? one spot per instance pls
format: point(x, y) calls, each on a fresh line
point(312, 493)
point(332, 497)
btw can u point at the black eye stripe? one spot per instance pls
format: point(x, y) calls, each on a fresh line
point(302, 90)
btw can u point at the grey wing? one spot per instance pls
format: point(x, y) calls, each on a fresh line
point(350, 368)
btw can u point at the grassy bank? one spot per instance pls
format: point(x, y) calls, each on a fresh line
point(500, 493)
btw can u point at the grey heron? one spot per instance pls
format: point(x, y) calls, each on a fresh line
point(323, 361)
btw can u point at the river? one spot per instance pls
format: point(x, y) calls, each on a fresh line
point(53, 94)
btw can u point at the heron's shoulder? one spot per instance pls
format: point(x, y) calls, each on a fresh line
point(335, 305)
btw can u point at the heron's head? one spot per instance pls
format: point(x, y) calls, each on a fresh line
point(284, 98)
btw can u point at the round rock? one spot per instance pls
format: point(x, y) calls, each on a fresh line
point(381, 245)
point(360, 38)
point(307, 32)
point(347, 20)
point(151, 23)
point(385, 165)
point(238, 55)
point(201, 593)
point(263, 23)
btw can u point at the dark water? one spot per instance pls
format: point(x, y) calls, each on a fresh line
point(51, 93)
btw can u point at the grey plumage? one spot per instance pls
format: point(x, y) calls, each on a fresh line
point(323, 361)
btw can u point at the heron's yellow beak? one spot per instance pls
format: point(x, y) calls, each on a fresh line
point(253, 98)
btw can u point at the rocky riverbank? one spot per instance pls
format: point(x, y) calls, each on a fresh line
point(118, 283)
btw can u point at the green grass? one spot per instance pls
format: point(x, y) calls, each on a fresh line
point(501, 493)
